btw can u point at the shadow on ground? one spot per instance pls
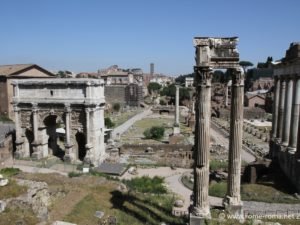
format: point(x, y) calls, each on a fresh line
point(147, 212)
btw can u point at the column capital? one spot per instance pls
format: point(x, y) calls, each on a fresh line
point(67, 108)
point(203, 75)
point(238, 77)
point(34, 108)
point(16, 108)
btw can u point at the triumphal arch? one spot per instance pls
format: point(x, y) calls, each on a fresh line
point(63, 117)
point(216, 53)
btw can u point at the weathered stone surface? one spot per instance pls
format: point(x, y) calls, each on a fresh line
point(77, 103)
point(37, 197)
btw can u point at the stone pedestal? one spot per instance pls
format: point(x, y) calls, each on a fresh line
point(196, 220)
point(234, 209)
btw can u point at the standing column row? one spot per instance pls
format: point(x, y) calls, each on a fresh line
point(286, 112)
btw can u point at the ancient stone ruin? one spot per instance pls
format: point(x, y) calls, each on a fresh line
point(285, 140)
point(216, 53)
point(74, 106)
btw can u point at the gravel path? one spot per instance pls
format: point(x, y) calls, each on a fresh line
point(124, 127)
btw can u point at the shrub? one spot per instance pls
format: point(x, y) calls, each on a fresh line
point(74, 174)
point(155, 132)
point(116, 107)
point(108, 122)
point(9, 172)
point(146, 184)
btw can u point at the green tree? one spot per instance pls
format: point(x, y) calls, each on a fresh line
point(153, 87)
point(245, 65)
point(218, 76)
point(116, 107)
point(155, 132)
point(181, 78)
point(108, 123)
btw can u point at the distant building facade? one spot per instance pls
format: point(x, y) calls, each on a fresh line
point(17, 71)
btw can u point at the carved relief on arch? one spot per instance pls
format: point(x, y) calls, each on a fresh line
point(26, 119)
point(77, 120)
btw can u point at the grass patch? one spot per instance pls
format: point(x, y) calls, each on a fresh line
point(17, 215)
point(84, 211)
point(12, 190)
point(9, 172)
point(5, 119)
point(218, 165)
point(218, 189)
point(265, 193)
point(146, 184)
point(186, 181)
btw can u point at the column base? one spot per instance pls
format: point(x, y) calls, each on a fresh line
point(200, 212)
point(37, 155)
point(285, 144)
point(176, 130)
point(69, 155)
point(233, 207)
point(197, 220)
point(291, 150)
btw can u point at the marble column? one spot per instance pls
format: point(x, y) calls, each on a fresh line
point(275, 107)
point(177, 106)
point(295, 117)
point(69, 155)
point(19, 140)
point(200, 208)
point(287, 112)
point(226, 95)
point(37, 154)
point(88, 146)
point(176, 128)
point(281, 110)
point(232, 200)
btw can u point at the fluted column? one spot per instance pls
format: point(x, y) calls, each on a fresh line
point(35, 122)
point(202, 142)
point(177, 107)
point(36, 145)
point(275, 107)
point(295, 117)
point(69, 155)
point(19, 140)
point(88, 146)
point(287, 112)
point(281, 110)
point(233, 197)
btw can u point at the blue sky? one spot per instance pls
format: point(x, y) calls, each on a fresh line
point(85, 35)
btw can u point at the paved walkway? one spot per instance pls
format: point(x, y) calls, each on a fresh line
point(125, 126)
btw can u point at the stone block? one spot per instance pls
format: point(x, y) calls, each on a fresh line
point(197, 220)
point(2, 206)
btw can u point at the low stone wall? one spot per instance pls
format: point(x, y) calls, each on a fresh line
point(289, 163)
point(6, 149)
point(166, 154)
point(249, 113)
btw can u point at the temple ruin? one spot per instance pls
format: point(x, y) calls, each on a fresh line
point(216, 53)
point(76, 106)
point(285, 140)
